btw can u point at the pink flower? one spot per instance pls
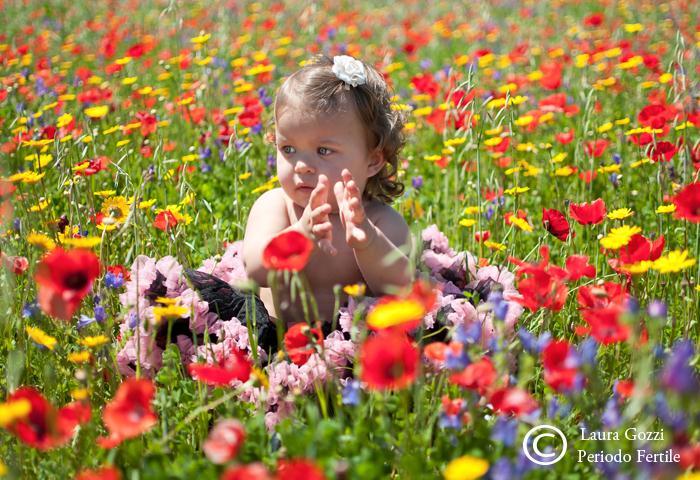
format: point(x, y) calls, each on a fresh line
point(150, 355)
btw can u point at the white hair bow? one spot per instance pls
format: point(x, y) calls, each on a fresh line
point(349, 70)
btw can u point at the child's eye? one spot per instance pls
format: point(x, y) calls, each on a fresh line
point(324, 151)
point(287, 149)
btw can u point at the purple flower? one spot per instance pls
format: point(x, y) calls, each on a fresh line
point(588, 349)
point(505, 431)
point(417, 182)
point(456, 361)
point(611, 415)
point(100, 313)
point(657, 309)
point(677, 374)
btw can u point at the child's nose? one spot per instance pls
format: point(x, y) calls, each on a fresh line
point(303, 166)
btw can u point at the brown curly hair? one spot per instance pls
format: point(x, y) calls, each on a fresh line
point(322, 91)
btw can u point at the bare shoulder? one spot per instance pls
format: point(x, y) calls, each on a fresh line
point(389, 221)
point(267, 216)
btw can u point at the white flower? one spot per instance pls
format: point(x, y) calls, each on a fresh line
point(349, 70)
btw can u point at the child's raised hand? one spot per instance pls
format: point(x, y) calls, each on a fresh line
point(358, 231)
point(315, 221)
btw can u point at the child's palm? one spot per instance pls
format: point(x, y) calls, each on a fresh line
point(351, 210)
point(315, 217)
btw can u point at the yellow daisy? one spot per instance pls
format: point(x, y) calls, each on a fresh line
point(619, 237)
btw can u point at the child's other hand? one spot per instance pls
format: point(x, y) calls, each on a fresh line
point(359, 232)
point(315, 220)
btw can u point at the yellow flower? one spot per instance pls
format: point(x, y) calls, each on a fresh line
point(147, 204)
point(473, 210)
point(466, 468)
point(467, 222)
point(97, 111)
point(356, 290)
point(674, 261)
point(395, 312)
point(636, 268)
point(41, 337)
point(169, 312)
point(95, 341)
point(104, 193)
point(79, 357)
point(521, 223)
point(620, 213)
point(167, 300)
point(13, 411)
point(494, 245)
point(619, 237)
point(117, 208)
point(666, 208)
point(80, 393)
point(516, 190)
point(64, 120)
point(32, 177)
point(41, 240)
point(200, 39)
point(39, 206)
point(82, 242)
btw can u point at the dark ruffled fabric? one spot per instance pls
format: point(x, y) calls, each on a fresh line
point(229, 302)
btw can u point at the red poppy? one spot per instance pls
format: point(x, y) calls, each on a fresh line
point(588, 213)
point(687, 203)
point(638, 249)
point(559, 362)
point(625, 388)
point(224, 441)
point(45, 427)
point(94, 166)
point(250, 471)
point(165, 220)
point(389, 360)
point(594, 19)
point(543, 285)
point(478, 376)
point(234, 366)
point(513, 401)
point(64, 278)
point(605, 325)
point(482, 236)
point(662, 151)
point(596, 148)
point(299, 342)
point(577, 266)
point(564, 137)
point(298, 469)
point(593, 296)
point(129, 414)
point(287, 251)
point(104, 473)
point(555, 223)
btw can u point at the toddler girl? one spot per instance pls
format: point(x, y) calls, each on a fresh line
point(337, 142)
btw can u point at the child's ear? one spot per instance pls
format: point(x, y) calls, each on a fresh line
point(376, 163)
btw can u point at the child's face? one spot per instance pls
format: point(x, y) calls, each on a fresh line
point(308, 146)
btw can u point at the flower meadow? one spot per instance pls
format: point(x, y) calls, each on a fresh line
point(551, 186)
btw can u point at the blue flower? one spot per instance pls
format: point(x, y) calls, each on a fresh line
point(30, 309)
point(100, 313)
point(114, 280)
point(351, 393)
point(84, 321)
point(504, 431)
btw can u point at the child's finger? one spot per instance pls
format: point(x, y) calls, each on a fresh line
point(320, 213)
point(328, 247)
point(339, 191)
point(322, 228)
point(319, 193)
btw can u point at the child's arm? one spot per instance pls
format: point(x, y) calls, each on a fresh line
point(384, 261)
point(267, 218)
